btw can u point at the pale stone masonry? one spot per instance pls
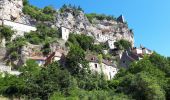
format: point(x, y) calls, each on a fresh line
point(108, 68)
point(65, 33)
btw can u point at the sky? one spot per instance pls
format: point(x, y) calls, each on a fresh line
point(149, 19)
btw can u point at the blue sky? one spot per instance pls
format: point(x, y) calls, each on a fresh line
point(150, 19)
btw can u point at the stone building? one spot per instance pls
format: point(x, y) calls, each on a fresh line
point(65, 33)
point(108, 68)
point(111, 43)
point(132, 55)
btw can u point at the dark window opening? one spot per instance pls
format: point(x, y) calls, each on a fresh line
point(95, 65)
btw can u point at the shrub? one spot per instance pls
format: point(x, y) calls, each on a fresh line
point(123, 44)
point(49, 10)
point(37, 13)
point(6, 32)
point(99, 17)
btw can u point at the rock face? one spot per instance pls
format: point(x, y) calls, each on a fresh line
point(101, 30)
point(12, 10)
point(77, 22)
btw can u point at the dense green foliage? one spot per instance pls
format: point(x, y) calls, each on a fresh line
point(54, 82)
point(123, 44)
point(148, 79)
point(14, 48)
point(6, 32)
point(86, 43)
point(43, 34)
point(75, 9)
point(99, 17)
point(46, 14)
point(83, 41)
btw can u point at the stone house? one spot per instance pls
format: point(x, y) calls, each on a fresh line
point(106, 67)
point(134, 54)
point(56, 55)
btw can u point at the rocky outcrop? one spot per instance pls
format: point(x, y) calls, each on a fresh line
point(76, 21)
point(101, 30)
point(12, 10)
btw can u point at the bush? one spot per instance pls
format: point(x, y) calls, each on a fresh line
point(14, 48)
point(84, 41)
point(6, 32)
point(123, 44)
point(38, 14)
point(49, 10)
point(99, 17)
point(42, 34)
point(74, 8)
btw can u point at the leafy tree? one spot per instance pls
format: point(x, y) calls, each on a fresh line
point(42, 35)
point(14, 48)
point(11, 86)
point(85, 42)
point(123, 44)
point(160, 62)
point(75, 58)
point(37, 13)
point(73, 7)
point(46, 49)
point(30, 69)
point(49, 10)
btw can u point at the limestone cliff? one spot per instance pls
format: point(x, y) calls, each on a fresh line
point(77, 22)
point(101, 30)
point(12, 10)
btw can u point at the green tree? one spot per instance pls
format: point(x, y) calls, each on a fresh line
point(85, 42)
point(14, 48)
point(49, 10)
point(123, 44)
point(12, 86)
point(160, 62)
point(75, 58)
point(30, 69)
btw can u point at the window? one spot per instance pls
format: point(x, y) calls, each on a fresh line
point(110, 75)
point(124, 61)
point(95, 65)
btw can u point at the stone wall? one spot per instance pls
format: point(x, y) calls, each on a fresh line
point(19, 26)
point(109, 71)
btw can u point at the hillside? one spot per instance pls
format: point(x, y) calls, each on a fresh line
point(65, 54)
